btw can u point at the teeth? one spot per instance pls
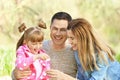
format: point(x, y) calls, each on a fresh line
point(58, 38)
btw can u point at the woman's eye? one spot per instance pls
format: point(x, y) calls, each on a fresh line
point(40, 43)
point(72, 38)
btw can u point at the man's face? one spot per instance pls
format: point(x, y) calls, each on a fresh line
point(59, 31)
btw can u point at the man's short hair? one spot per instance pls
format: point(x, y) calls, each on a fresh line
point(61, 15)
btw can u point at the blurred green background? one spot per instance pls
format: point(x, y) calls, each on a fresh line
point(104, 15)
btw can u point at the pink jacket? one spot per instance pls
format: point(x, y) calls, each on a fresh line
point(38, 67)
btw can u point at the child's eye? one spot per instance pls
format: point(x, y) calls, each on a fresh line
point(40, 43)
point(33, 44)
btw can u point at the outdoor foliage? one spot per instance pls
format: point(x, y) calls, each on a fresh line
point(104, 15)
point(7, 59)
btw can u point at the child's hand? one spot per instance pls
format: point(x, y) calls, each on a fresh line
point(43, 56)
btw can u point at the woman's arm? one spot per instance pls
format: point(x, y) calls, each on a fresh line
point(101, 73)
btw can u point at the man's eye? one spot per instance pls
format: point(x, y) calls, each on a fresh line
point(64, 30)
point(55, 29)
point(40, 43)
point(72, 38)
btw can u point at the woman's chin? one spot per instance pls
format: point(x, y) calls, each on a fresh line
point(74, 48)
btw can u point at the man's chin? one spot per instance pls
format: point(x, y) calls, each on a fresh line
point(58, 43)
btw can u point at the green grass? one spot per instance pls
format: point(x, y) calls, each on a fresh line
point(117, 57)
point(7, 58)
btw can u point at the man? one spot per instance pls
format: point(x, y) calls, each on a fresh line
point(63, 62)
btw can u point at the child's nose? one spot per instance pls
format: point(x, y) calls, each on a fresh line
point(38, 46)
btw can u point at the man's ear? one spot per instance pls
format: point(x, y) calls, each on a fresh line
point(24, 42)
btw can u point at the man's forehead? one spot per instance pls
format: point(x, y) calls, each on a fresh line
point(59, 24)
point(58, 27)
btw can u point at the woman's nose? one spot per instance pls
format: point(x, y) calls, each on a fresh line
point(69, 40)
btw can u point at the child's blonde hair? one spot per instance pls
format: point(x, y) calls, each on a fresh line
point(33, 34)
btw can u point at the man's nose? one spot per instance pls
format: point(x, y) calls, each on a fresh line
point(58, 32)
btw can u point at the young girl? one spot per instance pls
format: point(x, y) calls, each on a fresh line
point(30, 53)
point(94, 58)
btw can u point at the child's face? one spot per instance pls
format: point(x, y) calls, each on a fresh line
point(34, 46)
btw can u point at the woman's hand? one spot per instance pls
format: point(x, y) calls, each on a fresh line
point(55, 74)
point(58, 75)
point(18, 74)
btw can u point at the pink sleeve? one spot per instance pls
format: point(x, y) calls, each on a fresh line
point(42, 51)
point(22, 61)
point(45, 63)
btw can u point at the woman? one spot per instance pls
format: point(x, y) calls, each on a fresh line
point(93, 56)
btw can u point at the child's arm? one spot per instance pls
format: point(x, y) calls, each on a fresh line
point(23, 62)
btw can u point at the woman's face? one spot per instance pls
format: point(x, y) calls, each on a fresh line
point(72, 39)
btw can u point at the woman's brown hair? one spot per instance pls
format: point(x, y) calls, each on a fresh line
point(89, 44)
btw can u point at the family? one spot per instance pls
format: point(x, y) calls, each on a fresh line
point(85, 57)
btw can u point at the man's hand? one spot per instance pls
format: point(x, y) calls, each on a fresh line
point(18, 74)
